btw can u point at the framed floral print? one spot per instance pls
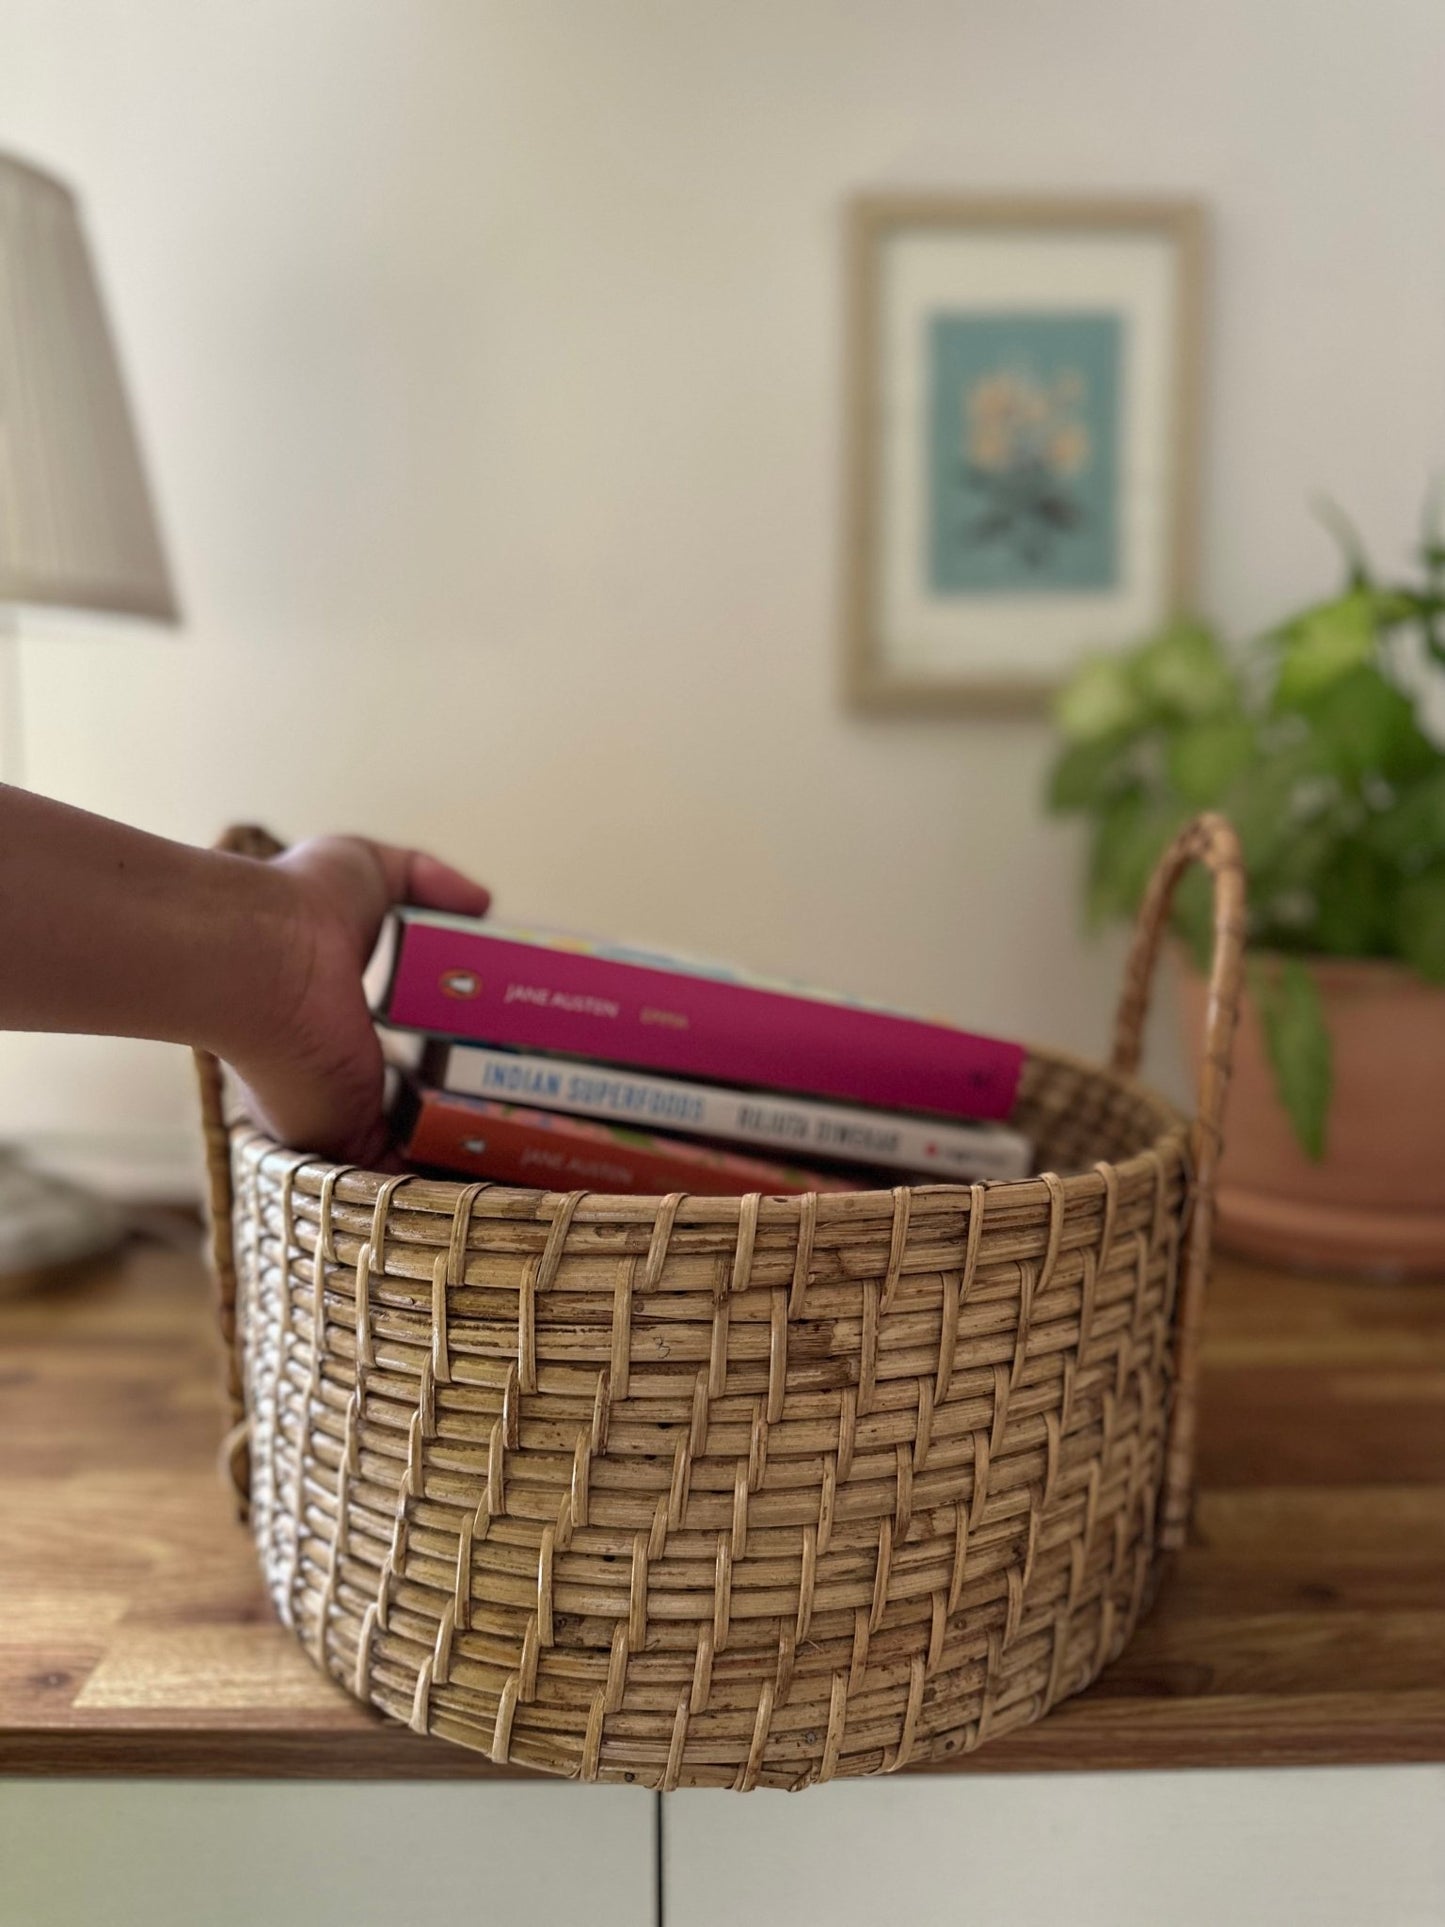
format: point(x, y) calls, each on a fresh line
point(1022, 424)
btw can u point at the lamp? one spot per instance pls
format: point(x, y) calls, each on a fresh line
point(77, 528)
point(77, 531)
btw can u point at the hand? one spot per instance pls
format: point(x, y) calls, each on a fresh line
point(112, 932)
point(310, 1063)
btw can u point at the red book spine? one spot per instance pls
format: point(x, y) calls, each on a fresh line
point(461, 981)
point(558, 1153)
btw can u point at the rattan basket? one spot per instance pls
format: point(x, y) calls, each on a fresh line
point(732, 1492)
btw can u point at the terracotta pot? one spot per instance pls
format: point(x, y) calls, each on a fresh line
point(1377, 1201)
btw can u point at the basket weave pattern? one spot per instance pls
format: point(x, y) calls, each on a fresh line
point(719, 1491)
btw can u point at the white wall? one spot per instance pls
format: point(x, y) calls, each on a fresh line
point(488, 358)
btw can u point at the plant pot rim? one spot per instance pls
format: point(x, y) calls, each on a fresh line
point(1335, 973)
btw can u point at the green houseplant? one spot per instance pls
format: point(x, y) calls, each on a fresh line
point(1312, 738)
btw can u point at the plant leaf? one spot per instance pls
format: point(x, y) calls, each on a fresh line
point(1087, 774)
point(1130, 838)
point(1324, 644)
point(1298, 1042)
point(1420, 924)
point(1354, 908)
point(1411, 833)
point(1261, 803)
point(1099, 700)
point(1394, 606)
point(1347, 536)
point(1205, 757)
point(1363, 724)
point(1184, 674)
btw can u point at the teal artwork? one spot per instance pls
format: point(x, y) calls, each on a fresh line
point(1022, 448)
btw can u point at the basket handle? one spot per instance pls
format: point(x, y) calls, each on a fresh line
point(242, 840)
point(1210, 840)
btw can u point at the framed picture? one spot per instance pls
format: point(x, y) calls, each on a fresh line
point(1022, 380)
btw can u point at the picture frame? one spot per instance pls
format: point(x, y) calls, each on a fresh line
point(1022, 398)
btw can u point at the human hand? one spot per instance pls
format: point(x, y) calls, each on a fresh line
point(112, 932)
point(308, 1055)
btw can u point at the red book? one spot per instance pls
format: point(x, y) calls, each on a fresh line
point(555, 1152)
point(455, 977)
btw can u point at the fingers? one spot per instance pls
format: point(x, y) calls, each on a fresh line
point(414, 877)
point(314, 1068)
point(435, 885)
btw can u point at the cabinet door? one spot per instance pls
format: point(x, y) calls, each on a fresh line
point(1303, 1847)
point(121, 1853)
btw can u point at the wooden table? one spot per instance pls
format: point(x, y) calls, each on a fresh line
point(1305, 1624)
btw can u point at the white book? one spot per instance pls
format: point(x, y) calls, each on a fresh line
point(938, 1148)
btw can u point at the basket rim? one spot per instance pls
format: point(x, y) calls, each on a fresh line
point(351, 1184)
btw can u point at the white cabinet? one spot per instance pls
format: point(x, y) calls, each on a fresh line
point(165, 1853)
point(1302, 1847)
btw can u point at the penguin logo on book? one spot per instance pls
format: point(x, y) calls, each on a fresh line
point(460, 983)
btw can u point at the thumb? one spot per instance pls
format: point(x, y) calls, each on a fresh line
point(412, 876)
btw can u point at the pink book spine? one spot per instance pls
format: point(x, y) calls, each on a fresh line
point(464, 983)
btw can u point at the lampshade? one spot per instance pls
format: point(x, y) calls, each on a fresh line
point(76, 523)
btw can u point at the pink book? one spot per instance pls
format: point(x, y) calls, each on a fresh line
point(455, 977)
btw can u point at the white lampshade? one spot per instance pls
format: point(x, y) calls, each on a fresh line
point(76, 523)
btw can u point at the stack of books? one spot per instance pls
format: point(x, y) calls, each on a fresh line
point(538, 1059)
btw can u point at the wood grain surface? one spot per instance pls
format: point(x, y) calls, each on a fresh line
point(1303, 1624)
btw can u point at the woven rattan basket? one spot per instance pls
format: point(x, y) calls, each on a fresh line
point(732, 1492)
